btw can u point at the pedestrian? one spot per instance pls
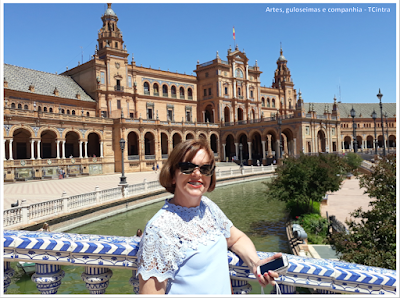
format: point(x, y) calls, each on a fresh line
point(63, 173)
point(258, 163)
point(157, 168)
point(154, 168)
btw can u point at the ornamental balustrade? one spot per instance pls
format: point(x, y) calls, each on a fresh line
point(27, 214)
point(99, 255)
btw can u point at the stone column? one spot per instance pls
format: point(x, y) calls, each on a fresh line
point(237, 150)
point(32, 149)
point(351, 145)
point(101, 149)
point(269, 145)
point(86, 144)
point(58, 149)
point(80, 149)
point(38, 149)
point(285, 142)
point(63, 151)
point(4, 154)
point(96, 279)
point(294, 147)
point(234, 89)
point(204, 116)
point(48, 278)
point(263, 150)
point(343, 146)
point(249, 145)
point(223, 151)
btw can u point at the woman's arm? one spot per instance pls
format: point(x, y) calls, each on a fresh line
point(152, 286)
point(240, 244)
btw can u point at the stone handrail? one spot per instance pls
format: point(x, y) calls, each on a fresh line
point(25, 214)
point(100, 254)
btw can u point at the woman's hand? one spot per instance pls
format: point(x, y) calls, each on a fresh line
point(268, 277)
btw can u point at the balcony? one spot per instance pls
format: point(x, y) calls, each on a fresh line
point(173, 95)
point(156, 94)
point(119, 88)
point(165, 94)
point(146, 92)
point(190, 97)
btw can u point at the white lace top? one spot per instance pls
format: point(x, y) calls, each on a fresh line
point(176, 233)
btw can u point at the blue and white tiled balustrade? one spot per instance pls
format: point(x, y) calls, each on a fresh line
point(100, 254)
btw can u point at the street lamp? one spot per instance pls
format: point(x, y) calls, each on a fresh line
point(280, 137)
point(379, 95)
point(375, 141)
point(122, 178)
point(353, 114)
point(241, 155)
point(387, 132)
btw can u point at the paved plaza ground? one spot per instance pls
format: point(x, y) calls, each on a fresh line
point(340, 203)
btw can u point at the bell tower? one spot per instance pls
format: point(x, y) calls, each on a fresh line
point(110, 37)
point(282, 73)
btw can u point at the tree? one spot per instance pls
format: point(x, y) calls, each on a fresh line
point(372, 240)
point(305, 180)
point(352, 161)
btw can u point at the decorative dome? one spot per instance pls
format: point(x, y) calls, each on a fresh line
point(109, 11)
point(281, 57)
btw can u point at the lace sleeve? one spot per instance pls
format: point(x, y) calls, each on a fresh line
point(223, 222)
point(158, 254)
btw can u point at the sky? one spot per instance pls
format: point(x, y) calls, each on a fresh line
point(339, 53)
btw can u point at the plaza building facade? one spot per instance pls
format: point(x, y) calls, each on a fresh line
point(74, 121)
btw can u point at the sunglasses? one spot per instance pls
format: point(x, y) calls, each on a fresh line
point(188, 168)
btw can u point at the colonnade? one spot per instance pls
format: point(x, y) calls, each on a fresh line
point(38, 151)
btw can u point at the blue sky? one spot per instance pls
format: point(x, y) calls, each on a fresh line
point(354, 50)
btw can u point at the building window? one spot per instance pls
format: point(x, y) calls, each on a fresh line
point(251, 93)
point(170, 115)
point(130, 115)
point(225, 74)
point(118, 104)
point(25, 107)
point(239, 73)
point(155, 89)
point(149, 113)
point(182, 93)
point(45, 109)
point(102, 77)
point(188, 116)
point(206, 74)
point(239, 92)
point(116, 45)
point(307, 130)
point(68, 112)
point(103, 114)
point(205, 92)
point(226, 90)
point(51, 110)
point(190, 93)
point(165, 90)
point(87, 114)
point(263, 102)
point(62, 111)
point(39, 108)
point(273, 102)
point(129, 81)
point(209, 91)
point(73, 112)
point(146, 88)
point(173, 91)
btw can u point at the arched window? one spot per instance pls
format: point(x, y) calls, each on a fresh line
point(39, 108)
point(51, 110)
point(25, 107)
point(13, 105)
point(268, 103)
point(73, 112)
point(181, 93)
point(146, 88)
point(173, 91)
point(45, 109)
point(165, 90)
point(190, 93)
point(87, 114)
point(239, 92)
point(20, 106)
point(62, 111)
point(239, 73)
point(68, 112)
point(263, 102)
point(273, 102)
point(155, 90)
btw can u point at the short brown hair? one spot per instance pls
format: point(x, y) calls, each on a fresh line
point(188, 149)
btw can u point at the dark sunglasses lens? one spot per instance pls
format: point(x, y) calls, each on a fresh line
point(187, 167)
point(206, 170)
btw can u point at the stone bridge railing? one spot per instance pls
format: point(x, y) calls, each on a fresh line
point(23, 215)
point(98, 255)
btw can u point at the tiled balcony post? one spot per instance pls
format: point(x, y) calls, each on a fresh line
point(8, 273)
point(48, 278)
point(240, 286)
point(134, 281)
point(96, 279)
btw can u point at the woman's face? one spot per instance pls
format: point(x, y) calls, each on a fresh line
point(190, 187)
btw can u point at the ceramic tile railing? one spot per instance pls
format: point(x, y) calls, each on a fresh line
point(100, 254)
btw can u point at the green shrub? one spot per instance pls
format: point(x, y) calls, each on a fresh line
point(315, 226)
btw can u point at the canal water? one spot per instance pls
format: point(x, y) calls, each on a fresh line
point(243, 203)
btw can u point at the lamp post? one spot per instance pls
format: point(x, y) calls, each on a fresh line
point(280, 137)
point(122, 178)
point(387, 132)
point(353, 114)
point(375, 141)
point(241, 156)
point(379, 95)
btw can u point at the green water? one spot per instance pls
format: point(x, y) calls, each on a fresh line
point(243, 203)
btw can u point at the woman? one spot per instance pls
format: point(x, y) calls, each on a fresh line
point(184, 246)
point(45, 228)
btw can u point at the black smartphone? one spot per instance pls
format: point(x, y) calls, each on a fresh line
point(278, 265)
